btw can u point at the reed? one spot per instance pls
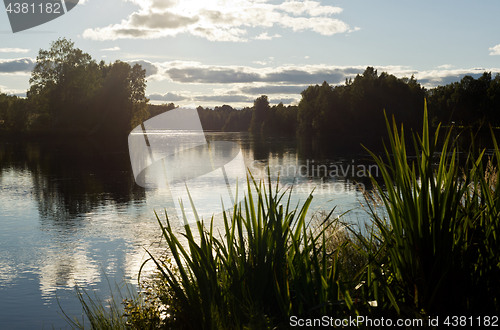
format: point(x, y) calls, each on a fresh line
point(434, 249)
point(97, 313)
point(266, 266)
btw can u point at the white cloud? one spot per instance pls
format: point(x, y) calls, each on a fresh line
point(10, 91)
point(113, 49)
point(445, 66)
point(14, 50)
point(313, 8)
point(264, 36)
point(495, 50)
point(322, 25)
point(221, 20)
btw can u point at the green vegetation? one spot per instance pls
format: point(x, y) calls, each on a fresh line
point(266, 267)
point(72, 94)
point(261, 118)
point(467, 102)
point(436, 245)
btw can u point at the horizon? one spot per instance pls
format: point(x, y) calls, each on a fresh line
point(210, 53)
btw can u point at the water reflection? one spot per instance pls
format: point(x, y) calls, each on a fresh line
point(71, 212)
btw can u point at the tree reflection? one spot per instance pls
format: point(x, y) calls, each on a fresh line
point(73, 177)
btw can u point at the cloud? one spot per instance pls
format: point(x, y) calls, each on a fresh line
point(151, 69)
point(260, 62)
point(224, 98)
point(284, 100)
point(165, 20)
point(215, 34)
point(270, 89)
point(14, 50)
point(21, 65)
point(445, 66)
point(114, 49)
point(226, 20)
point(168, 97)
point(289, 79)
point(211, 75)
point(495, 50)
point(322, 25)
point(264, 36)
point(16, 92)
point(312, 8)
point(233, 75)
point(156, 4)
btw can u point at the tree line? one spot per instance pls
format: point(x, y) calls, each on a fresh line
point(71, 93)
point(357, 107)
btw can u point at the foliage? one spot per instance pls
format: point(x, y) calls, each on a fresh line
point(70, 92)
point(98, 313)
point(276, 119)
point(436, 250)
point(469, 101)
point(15, 113)
point(260, 114)
point(356, 108)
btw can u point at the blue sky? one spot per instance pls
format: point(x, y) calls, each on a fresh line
point(214, 52)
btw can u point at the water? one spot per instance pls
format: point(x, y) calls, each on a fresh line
point(71, 212)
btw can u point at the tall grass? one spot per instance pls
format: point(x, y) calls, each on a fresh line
point(99, 314)
point(434, 250)
point(264, 268)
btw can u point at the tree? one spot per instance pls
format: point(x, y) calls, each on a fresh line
point(63, 83)
point(122, 103)
point(72, 91)
point(260, 113)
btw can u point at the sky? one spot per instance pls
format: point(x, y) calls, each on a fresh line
point(215, 52)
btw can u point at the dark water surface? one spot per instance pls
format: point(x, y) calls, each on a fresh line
point(71, 212)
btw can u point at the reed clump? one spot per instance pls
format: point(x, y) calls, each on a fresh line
point(266, 266)
point(435, 247)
